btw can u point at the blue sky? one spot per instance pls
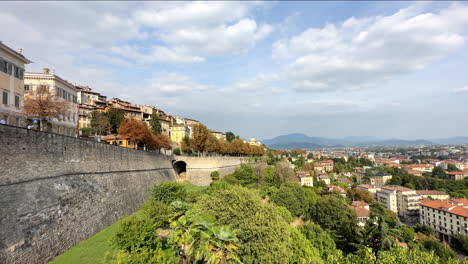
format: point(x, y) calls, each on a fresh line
point(262, 69)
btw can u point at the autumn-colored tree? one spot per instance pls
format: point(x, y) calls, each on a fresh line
point(136, 131)
point(163, 141)
point(236, 146)
point(213, 144)
point(99, 123)
point(361, 195)
point(199, 138)
point(185, 144)
point(45, 106)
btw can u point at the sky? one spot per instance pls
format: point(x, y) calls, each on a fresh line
point(263, 69)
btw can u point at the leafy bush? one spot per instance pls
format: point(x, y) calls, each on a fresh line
point(262, 232)
point(158, 213)
point(245, 175)
point(147, 256)
point(287, 216)
point(407, 233)
point(425, 229)
point(176, 151)
point(214, 175)
point(460, 241)
point(302, 251)
point(440, 249)
point(292, 196)
point(320, 239)
point(168, 192)
point(136, 232)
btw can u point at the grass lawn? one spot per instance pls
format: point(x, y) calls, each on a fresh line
point(98, 249)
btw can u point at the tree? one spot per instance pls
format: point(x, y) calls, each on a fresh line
point(45, 106)
point(378, 235)
point(162, 141)
point(212, 144)
point(100, 123)
point(292, 196)
point(199, 138)
point(439, 173)
point(115, 116)
point(264, 236)
point(155, 124)
point(185, 144)
point(425, 229)
point(214, 175)
point(361, 195)
point(135, 131)
point(460, 241)
point(245, 175)
point(230, 136)
point(334, 215)
point(320, 239)
point(451, 167)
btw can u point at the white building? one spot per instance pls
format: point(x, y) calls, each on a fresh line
point(401, 200)
point(446, 217)
point(47, 80)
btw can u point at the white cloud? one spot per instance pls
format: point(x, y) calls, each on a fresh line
point(361, 52)
point(204, 28)
point(462, 90)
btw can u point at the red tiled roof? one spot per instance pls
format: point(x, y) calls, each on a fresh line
point(367, 186)
point(453, 206)
point(456, 172)
point(359, 203)
point(361, 211)
point(430, 192)
point(397, 188)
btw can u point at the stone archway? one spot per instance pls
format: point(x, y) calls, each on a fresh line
point(180, 168)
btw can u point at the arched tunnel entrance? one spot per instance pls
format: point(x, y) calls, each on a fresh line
point(180, 168)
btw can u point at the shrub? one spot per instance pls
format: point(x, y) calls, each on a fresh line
point(292, 196)
point(214, 175)
point(407, 233)
point(263, 234)
point(158, 213)
point(460, 241)
point(168, 192)
point(136, 232)
point(147, 256)
point(302, 251)
point(320, 239)
point(176, 151)
point(425, 229)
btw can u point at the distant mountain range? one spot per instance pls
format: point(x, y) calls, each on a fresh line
point(298, 140)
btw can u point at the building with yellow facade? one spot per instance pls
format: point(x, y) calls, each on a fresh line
point(47, 80)
point(119, 140)
point(177, 132)
point(12, 85)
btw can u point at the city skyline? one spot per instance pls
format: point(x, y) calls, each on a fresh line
point(324, 69)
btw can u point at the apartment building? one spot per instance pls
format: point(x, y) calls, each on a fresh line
point(446, 217)
point(444, 164)
point(12, 85)
point(305, 178)
point(48, 81)
point(130, 111)
point(178, 132)
point(401, 200)
point(370, 188)
point(457, 175)
point(323, 166)
point(433, 194)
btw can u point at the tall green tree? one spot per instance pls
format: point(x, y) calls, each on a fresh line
point(115, 117)
point(378, 235)
point(155, 124)
point(230, 136)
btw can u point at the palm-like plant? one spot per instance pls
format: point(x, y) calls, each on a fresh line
point(200, 241)
point(378, 235)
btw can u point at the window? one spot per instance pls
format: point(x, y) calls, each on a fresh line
point(3, 66)
point(5, 98)
point(9, 68)
point(42, 89)
point(17, 72)
point(26, 87)
point(17, 101)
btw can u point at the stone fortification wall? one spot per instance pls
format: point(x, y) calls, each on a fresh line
point(199, 168)
point(56, 190)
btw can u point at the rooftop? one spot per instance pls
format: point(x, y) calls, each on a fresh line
point(397, 188)
point(453, 206)
point(430, 192)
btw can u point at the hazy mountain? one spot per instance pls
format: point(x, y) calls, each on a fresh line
point(298, 140)
point(452, 140)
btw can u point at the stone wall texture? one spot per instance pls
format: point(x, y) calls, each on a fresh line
point(199, 169)
point(56, 190)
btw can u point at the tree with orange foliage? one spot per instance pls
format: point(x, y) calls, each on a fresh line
point(163, 141)
point(213, 144)
point(136, 131)
point(45, 106)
